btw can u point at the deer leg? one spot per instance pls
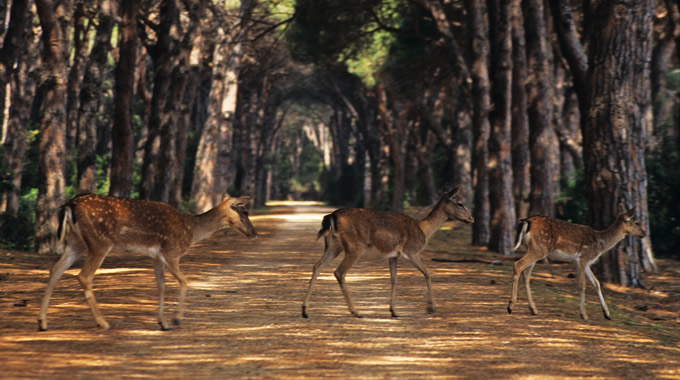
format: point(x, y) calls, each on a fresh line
point(351, 257)
point(159, 270)
point(67, 259)
point(527, 279)
point(518, 268)
point(92, 262)
point(415, 260)
point(582, 289)
point(173, 267)
point(331, 251)
point(393, 278)
point(596, 284)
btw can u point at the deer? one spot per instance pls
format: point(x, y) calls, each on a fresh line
point(91, 226)
point(385, 235)
point(561, 240)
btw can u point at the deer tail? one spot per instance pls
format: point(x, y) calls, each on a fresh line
point(521, 232)
point(327, 226)
point(65, 225)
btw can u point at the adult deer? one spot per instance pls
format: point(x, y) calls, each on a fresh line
point(382, 234)
point(93, 225)
point(582, 245)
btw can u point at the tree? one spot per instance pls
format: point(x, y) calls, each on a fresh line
point(501, 197)
point(479, 49)
point(51, 179)
point(539, 90)
point(615, 135)
point(121, 134)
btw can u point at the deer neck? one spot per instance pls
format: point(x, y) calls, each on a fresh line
point(431, 223)
point(611, 236)
point(206, 224)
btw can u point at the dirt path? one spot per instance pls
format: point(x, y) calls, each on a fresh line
point(243, 317)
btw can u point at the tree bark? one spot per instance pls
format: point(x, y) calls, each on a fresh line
point(520, 122)
point(500, 159)
point(122, 157)
point(51, 182)
point(541, 134)
point(479, 48)
point(615, 136)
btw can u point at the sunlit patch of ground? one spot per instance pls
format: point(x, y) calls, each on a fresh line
point(243, 316)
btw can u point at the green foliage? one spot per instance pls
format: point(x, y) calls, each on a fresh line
point(572, 205)
point(345, 31)
point(17, 232)
point(303, 181)
point(663, 171)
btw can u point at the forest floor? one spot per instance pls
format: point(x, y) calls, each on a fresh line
point(243, 316)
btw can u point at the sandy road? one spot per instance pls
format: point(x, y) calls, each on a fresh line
point(243, 318)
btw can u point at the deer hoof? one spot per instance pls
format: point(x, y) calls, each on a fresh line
point(176, 321)
point(42, 326)
point(164, 328)
point(509, 309)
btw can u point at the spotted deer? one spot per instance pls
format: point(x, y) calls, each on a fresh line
point(582, 245)
point(384, 235)
point(93, 225)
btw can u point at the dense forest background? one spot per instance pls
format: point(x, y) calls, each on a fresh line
point(553, 107)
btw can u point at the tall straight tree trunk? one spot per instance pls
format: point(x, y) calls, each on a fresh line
point(51, 181)
point(159, 151)
point(500, 157)
point(80, 48)
point(122, 157)
point(620, 42)
point(541, 134)
point(479, 46)
point(520, 123)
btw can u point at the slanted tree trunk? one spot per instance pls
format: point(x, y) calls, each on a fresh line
point(620, 42)
point(90, 100)
point(51, 181)
point(500, 159)
point(122, 156)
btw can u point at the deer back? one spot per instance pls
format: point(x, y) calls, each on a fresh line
point(382, 230)
point(127, 223)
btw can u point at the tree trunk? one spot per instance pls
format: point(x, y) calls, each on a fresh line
point(520, 123)
point(51, 181)
point(17, 61)
point(541, 134)
point(122, 157)
point(620, 42)
point(500, 159)
point(79, 51)
point(479, 47)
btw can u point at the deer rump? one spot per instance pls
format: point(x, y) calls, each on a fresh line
point(382, 234)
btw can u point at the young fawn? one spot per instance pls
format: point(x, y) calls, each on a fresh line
point(582, 245)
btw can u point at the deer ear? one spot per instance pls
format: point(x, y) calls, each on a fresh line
point(453, 192)
point(630, 212)
point(242, 201)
